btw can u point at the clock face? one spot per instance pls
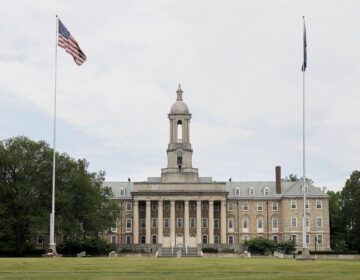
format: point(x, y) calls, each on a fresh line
point(179, 153)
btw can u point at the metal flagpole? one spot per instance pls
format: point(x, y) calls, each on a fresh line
point(304, 161)
point(52, 215)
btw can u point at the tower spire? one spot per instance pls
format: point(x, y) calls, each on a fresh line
point(179, 93)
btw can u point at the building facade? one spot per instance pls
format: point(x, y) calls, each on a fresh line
point(181, 209)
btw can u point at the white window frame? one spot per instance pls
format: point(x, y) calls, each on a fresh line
point(258, 220)
point(307, 222)
point(179, 205)
point(231, 237)
point(192, 222)
point(231, 223)
point(216, 223)
point(307, 204)
point(111, 239)
point(230, 206)
point(275, 208)
point(317, 222)
point(122, 192)
point(252, 191)
point(277, 238)
point(277, 223)
point(247, 223)
point(216, 239)
point(154, 223)
point(237, 191)
point(152, 239)
point(291, 222)
point(260, 206)
point(318, 203)
point(192, 205)
point(202, 239)
point(292, 237)
point(293, 202)
point(142, 223)
point(204, 206)
point(317, 239)
point(179, 222)
point(245, 205)
point(128, 206)
point(206, 222)
point(308, 239)
point(166, 223)
point(128, 228)
point(142, 239)
point(266, 191)
point(128, 239)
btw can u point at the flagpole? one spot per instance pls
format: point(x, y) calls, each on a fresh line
point(52, 215)
point(304, 158)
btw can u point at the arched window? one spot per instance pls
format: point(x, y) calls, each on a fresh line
point(275, 238)
point(179, 131)
point(154, 239)
point(113, 239)
point(237, 191)
point(231, 239)
point(128, 239)
point(205, 239)
point(260, 223)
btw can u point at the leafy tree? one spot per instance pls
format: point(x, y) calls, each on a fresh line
point(260, 245)
point(83, 208)
point(350, 210)
point(294, 178)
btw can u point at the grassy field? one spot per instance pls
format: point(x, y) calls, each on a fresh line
point(180, 268)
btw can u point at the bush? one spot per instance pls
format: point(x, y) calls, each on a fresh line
point(334, 252)
point(260, 245)
point(92, 246)
point(286, 247)
point(210, 250)
point(227, 250)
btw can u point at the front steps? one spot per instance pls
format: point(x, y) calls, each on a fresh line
point(178, 252)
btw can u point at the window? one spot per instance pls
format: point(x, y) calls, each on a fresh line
point(306, 189)
point(122, 192)
point(205, 239)
point(204, 205)
point(179, 222)
point(192, 205)
point(230, 206)
point(216, 223)
point(179, 131)
point(166, 223)
point(260, 223)
point(153, 205)
point(275, 238)
point(237, 192)
point(318, 204)
point(274, 206)
point(308, 239)
point(251, 191)
point(142, 223)
point(142, 239)
point(142, 207)
point(204, 222)
point(266, 191)
point(128, 239)
point(40, 239)
point(230, 223)
point(245, 206)
point(246, 238)
point(179, 205)
point(293, 237)
point(293, 204)
point(259, 205)
point(192, 223)
point(154, 222)
point(216, 239)
point(275, 223)
point(307, 204)
point(293, 222)
point(166, 205)
point(319, 239)
point(216, 207)
point(307, 222)
point(230, 239)
point(319, 223)
point(128, 224)
point(113, 239)
point(179, 160)
point(128, 206)
point(246, 223)
point(154, 239)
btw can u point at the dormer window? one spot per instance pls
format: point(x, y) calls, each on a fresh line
point(306, 189)
point(266, 191)
point(122, 191)
point(237, 191)
point(251, 191)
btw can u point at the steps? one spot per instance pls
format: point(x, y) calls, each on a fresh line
point(179, 252)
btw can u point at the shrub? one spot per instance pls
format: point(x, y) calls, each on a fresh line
point(227, 250)
point(286, 247)
point(210, 250)
point(261, 245)
point(334, 252)
point(92, 246)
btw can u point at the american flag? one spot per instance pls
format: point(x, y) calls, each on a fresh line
point(68, 42)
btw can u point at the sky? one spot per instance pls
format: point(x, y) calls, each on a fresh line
point(239, 65)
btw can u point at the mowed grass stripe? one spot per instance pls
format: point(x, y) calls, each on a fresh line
point(181, 268)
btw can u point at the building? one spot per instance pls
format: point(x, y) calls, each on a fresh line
point(181, 209)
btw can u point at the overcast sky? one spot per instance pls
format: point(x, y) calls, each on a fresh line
point(239, 64)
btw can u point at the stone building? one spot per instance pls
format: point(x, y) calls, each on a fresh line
point(181, 209)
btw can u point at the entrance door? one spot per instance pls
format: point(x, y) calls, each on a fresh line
point(166, 241)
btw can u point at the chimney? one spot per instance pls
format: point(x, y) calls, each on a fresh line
point(278, 179)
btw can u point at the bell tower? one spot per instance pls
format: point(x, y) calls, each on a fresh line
point(179, 151)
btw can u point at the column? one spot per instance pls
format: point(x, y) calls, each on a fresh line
point(136, 222)
point(186, 222)
point(172, 222)
point(160, 222)
point(198, 222)
point(211, 222)
point(148, 223)
point(223, 222)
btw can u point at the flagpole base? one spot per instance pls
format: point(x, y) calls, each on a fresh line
point(305, 255)
point(51, 252)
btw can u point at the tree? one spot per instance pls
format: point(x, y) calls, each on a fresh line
point(261, 245)
point(294, 178)
point(83, 207)
point(350, 210)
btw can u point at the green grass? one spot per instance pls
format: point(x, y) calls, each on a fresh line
point(177, 268)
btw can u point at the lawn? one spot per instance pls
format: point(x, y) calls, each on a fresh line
point(176, 268)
